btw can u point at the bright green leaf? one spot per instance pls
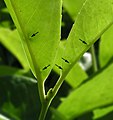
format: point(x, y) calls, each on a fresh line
point(73, 7)
point(57, 115)
point(95, 93)
point(5, 24)
point(38, 22)
point(90, 24)
point(76, 75)
point(98, 113)
point(11, 40)
point(106, 47)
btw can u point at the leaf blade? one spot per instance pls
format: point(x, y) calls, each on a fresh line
point(29, 20)
point(106, 51)
point(87, 30)
point(11, 40)
point(91, 95)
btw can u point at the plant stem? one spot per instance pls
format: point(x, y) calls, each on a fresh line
point(44, 110)
point(41, 91)
point(52, 92)
point(57, 86)
point(94, 61)
point(48, 99)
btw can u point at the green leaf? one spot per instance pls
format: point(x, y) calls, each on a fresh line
point(57, 115)
point(73, 7)
point(38, 22)
point(98, 113)
point(90, 24)
point(12, 110)
point(76, 75)
point(16, 96)
point(94, 94)
point(6, 71)
point(12, 41)
point(106, 48)
point(5, 10)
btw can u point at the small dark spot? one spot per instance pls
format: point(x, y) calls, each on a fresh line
point(83, 41)
point(34, 34)
point(45, 67)
point(59, 67)
point(65, 60)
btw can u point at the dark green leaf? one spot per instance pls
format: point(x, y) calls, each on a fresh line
point(93, 94)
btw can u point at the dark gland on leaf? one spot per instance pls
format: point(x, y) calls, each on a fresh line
point(83, 41)
point(34, 34)
point(59, 67)
point(45, 67)
point(65, 60)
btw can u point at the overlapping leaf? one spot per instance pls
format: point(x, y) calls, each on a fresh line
point(76, 75)
point(106, 47)
point(98, 113)
point(93, 94)
point(90, 24)
point(11, 40)
point(73, 7)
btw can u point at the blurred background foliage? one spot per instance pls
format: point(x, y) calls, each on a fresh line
point(19, 98)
